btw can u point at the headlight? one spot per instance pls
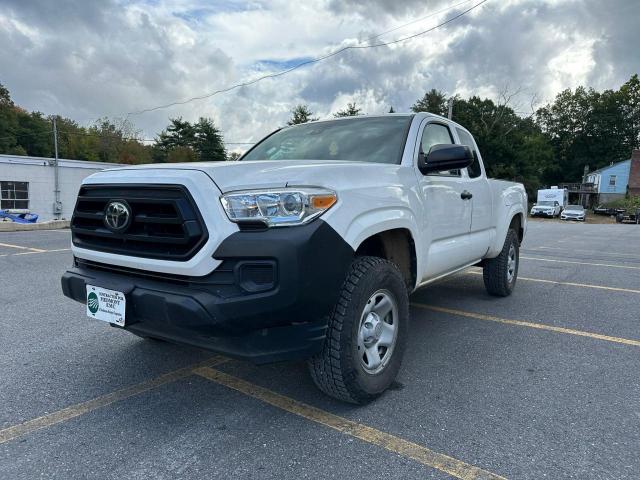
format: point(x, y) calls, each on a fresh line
point(278, 208)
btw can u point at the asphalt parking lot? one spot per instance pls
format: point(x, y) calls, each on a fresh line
point(543, 384)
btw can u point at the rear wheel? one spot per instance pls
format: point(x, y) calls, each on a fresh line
point(367, 333)
point(500, 273)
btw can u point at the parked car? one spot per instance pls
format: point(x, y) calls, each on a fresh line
point(573, 212)
point(546, 209)
point(629, 217)
point(307, 247)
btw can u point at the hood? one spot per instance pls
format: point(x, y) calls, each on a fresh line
point(232, 176)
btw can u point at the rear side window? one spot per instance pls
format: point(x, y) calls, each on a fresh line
point(474, 170)
point(437, 134)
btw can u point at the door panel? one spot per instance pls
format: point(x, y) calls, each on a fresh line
point(482, 231)
point(448, 215)
point(449, 218)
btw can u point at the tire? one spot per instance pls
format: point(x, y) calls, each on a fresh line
point(500, 273)
point(346, 367)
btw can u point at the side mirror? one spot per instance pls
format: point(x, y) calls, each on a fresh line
point(444, 157)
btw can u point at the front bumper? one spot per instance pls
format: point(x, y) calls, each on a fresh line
point(567, 217)
point(268, 301)
point(540, 213)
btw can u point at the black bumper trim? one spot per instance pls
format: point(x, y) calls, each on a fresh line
point(224, 312)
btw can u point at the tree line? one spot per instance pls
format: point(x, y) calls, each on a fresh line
point(106, 140)
point(546, 146)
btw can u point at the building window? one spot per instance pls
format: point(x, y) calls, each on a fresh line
point(612, 181)
point(14, 195)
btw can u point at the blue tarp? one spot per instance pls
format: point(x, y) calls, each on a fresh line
point(19, 217)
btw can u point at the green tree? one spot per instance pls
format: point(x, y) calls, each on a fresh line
point(592, 128)
point(350, 111)
point(434, 101)
point(34, 133)
point(179, 133)
point(391, 110)
point(208, 141)
point(30, 133)
point(301, 114)
point(186, 142)
point(630, 104)
point(5, 97)
point(512, 147)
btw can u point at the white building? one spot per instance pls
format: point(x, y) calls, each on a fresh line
point(27, 184)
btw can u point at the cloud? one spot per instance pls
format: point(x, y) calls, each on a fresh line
point(89, 59)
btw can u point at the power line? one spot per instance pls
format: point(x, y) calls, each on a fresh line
point(378, 35)
point(307, 62)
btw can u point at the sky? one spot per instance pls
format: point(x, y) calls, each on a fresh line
point(86, 60)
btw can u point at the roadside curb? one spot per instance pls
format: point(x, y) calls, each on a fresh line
point(22, 227)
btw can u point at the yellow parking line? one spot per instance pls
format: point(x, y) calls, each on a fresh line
point(78, 409)
point(581, 263)
point(571, 284)
point(520, 323)
point(397, 445)
point(42, 251)
point(617, 254)
point(9, 245)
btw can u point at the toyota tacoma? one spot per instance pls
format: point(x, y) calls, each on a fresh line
point(308, 247)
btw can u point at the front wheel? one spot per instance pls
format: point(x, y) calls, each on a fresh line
point(367, 333)
point(500, 273)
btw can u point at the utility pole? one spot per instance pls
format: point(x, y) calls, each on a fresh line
point(57, 205)
point(450, 104)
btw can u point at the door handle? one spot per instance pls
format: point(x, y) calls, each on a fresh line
point(466, 195)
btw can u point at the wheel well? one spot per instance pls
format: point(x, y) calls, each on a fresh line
point(516, 224)
point(397, 246)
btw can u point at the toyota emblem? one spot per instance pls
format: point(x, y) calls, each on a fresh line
point(117, 216)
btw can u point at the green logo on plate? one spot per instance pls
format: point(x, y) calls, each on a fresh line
point(92, 302)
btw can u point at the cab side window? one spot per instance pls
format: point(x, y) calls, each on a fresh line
point(436, 134)
point(474, 170)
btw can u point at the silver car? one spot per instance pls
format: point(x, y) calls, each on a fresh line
point(573, 212)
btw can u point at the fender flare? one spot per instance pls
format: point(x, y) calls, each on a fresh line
point(379, 220)
point(503, 227)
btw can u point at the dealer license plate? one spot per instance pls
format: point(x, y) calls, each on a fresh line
point(106, 305)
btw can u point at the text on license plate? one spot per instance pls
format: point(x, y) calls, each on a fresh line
point(106, 305)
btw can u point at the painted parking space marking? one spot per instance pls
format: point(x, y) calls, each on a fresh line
point(20, 247)
point(44, 251)
point(392, 443)
point(35, 253)
point(593, 252)
point(79, 409)
point(570, 284)
point(612, 265)
point(521, 323)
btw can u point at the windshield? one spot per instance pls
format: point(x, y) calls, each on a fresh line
point(574, 207)
point(545, 204)
point(367, 139)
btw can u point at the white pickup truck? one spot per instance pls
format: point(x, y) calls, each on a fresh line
point(307, 247)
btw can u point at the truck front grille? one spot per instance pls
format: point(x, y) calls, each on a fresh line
point(165, 222)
